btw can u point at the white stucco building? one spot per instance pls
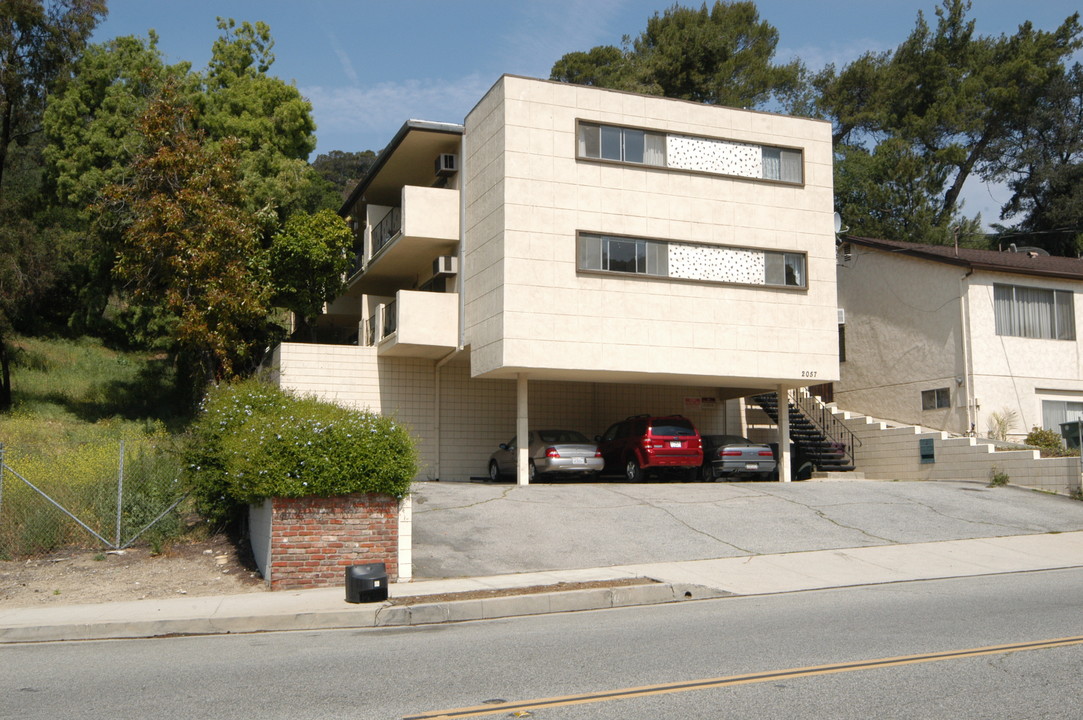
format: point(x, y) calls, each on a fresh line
point(569, 256)
point(943, 337)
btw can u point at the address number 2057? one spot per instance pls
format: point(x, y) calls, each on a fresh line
point(808, 373)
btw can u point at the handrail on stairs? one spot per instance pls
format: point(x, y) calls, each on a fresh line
point(824, 419)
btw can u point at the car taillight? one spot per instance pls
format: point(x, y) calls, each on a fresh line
point(551, 452)
point(597, 453)
point(766, 453)
point(730, 453)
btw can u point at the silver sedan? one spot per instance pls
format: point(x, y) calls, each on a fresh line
point(730, 456)
point(564, 452)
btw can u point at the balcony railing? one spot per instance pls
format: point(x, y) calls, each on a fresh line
point(370, 330)
point(391, 318)
point(386, 229)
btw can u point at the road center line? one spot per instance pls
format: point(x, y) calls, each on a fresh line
point(731, 680)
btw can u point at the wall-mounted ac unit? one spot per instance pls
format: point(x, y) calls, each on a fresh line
point(447, 164)
point(445, 265)
point(842, 316)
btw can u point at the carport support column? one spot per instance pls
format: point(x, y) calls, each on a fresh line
point(783, 434)
point(522, 431)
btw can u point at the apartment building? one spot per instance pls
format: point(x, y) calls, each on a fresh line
point(946, 338)
point(568, 256)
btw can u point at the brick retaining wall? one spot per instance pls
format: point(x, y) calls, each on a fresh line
point(314, 539)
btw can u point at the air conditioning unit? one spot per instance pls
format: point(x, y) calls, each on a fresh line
point(842, 316)
point(445, 265)
point(447, 164)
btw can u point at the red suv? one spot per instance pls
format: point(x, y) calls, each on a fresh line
point(645, 442)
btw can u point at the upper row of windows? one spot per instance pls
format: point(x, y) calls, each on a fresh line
point(686, 152)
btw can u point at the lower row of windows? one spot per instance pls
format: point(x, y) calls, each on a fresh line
point(690, 261)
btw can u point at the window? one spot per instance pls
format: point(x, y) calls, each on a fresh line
point(689, 261)
point(620, 254)
point(779, 164)
point(608, 142)
point(842, 343)
point(1034, 312)
point(685, 152)
point(785, 269)
point(935, 399)
point(1055, 412)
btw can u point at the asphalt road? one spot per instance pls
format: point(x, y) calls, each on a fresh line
point(472, 529)
point(426, 671)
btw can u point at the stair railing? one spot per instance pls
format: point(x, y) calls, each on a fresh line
point(824, 419)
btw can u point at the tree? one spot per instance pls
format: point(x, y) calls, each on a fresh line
point(189, 247)
point(38, 41)
point(950, 97)
point(1044, 169)
point(37, 44)
point(722, 55)
point(307, 261)
point(269, 118)
point(343, 170)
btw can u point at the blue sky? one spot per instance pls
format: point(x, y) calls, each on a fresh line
point(369, 65)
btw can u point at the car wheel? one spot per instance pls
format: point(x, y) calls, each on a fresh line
point(706, 472)
point(633, 472)
point(494, 471)
point(532, 473)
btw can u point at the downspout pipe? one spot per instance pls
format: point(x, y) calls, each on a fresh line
point(965, 341)
point(461, 284)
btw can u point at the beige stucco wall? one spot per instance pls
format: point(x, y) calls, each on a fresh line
point(529, 310)
point(1012, 373)
point(903, 320)
point(459, 420)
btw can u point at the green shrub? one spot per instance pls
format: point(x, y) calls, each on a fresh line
point(1048, 442)
point(253, 441)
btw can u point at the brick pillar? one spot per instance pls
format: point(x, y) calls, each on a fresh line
point(314, 539)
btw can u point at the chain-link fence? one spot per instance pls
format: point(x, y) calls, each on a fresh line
point(104, 496)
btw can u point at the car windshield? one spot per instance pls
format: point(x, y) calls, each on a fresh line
point(562, 436)
point(736, 440)
point(672, 427)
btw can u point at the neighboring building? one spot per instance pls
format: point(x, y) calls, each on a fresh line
point(570, 256)
point(943, 338)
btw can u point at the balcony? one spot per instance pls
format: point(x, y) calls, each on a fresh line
point(416, 324)
point(405, 239)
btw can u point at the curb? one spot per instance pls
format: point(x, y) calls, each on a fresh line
point(381, 615)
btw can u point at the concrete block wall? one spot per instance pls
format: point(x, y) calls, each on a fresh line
point(893, 453)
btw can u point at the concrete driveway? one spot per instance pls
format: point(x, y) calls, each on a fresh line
point(472, 529)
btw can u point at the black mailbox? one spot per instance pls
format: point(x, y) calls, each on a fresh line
point(366, 583)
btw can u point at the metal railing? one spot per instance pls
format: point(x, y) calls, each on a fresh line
point(825, 421)
point(386, 229)
point(370, 331)
point(391, 318)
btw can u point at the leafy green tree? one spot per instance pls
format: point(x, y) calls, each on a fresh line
point(1044, 169)
point(188, 246)
point(343, 170)
point(720, 55)
point(950, 97)
point(308, 260)
point(38, 42)
point(268, 117)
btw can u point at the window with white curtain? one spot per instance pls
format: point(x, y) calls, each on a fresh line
point(1055, 412)
point(609, 142)
point(1034, 312)
point(648, 147)
point(690, 261)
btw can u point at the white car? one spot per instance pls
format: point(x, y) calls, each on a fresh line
point(564, 452)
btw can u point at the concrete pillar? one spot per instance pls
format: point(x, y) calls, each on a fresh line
point(783, 434)
point(522, 431)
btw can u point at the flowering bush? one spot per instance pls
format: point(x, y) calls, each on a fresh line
point(253, 441)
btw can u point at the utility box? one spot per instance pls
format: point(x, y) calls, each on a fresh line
point(1071, 432)
point(366, 583)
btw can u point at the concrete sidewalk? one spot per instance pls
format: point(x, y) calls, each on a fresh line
point(676, 581)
